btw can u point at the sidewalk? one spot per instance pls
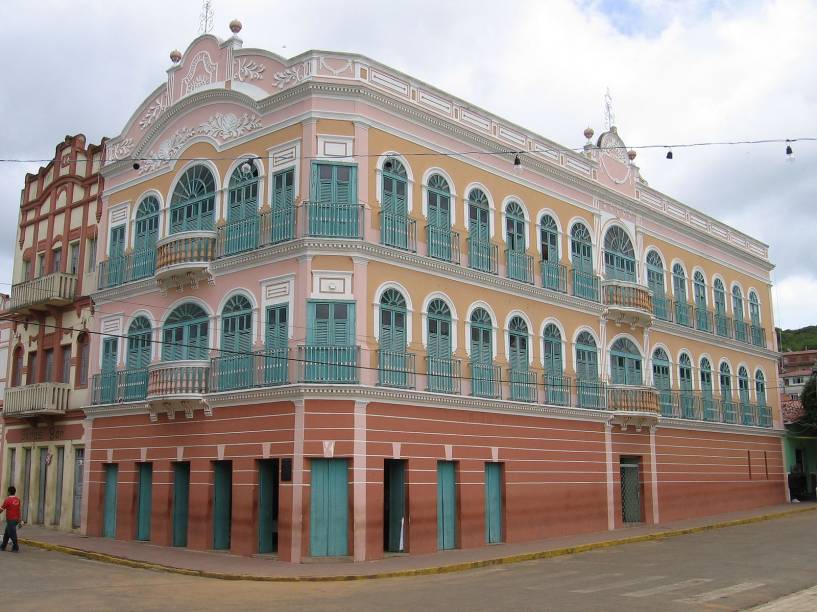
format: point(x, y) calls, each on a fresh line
point(234, 567)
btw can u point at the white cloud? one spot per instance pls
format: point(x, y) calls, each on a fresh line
point(795, 302)
point(679, 71)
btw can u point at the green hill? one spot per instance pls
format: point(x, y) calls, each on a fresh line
point(798, 339)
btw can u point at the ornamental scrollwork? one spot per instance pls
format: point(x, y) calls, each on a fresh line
point(247, 69)
point(226, 126)
point(292, 75)
point(154, 111)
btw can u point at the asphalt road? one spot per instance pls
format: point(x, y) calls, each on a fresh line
point(726, 569)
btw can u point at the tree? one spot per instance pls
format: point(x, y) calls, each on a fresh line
point(808, 398)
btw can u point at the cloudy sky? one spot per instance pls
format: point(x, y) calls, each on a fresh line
point(679, 71)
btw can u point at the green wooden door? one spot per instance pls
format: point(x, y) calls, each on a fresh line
point(493, 503)
point(116, 256)
point(721, 321)
point(581, 250)
point(267, 505)
point(482, 358)
point(515, 232)
point(523, 386)
point(108, 388)
point(276, 337)
point(109, 502)
point(549, 238)
point(282, 224)
point(222, 504)
point(587, 372)
point(440, 366)
point(181, 502)
point(558, 391)
point(137, 359)
point(394, 220)
point(661, 381)
point(702, 321)
point(393, 359)
point(395, 504)
point(439, 218)
point(330, 335)
point(479, 235)
point(236, 362)
point(334, 210)
point(707, 396)
point(679, 288)
point(655, 281)
point(329, 512)
point(727, 405)
point(242, 210)
point(685, 384)
point(145, 501)
point(146, 232)
point(446, 505)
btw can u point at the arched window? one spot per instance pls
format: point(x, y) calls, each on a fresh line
point(522, 381)
point(760, 388)
point(394, 207)
point(619, 256)
point(661, 380)
point(585, 284)
point(242, 210)
point(702, 317)
point(480, 253)
point(625, 363)
point(655, 281)
point(747, 413)
point(440, 236)
point(185, 334)
point(707, 399)
point(137, 359)
point(679, 289)
point(482, 358)
point(17, 367)
point(722, 325)
point(553, 274)
point(146, 232)
point(441, 368)
point(235, 363)
point(727, 407)
point(393, 364)
point(587, 372)
point(192, 206)
point(737, 312)
point(685, 384)
point(515, 227)
point(83, 359)
point(754, 313)
point(557, 387)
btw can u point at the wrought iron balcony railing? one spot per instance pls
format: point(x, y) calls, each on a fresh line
point(443, 243)
point(125, 269)
point(482, 255)
point(268, 226)
point(398, 231)
point(485, 380)
point(396, 369)
point(519, 265)
point(328, 364)
point(585, 285)
point(444, 375)
point(119, 386)
point(554, 276)
point(332, 219)
point(557, 390)
point(522, 385)
point(266, 368)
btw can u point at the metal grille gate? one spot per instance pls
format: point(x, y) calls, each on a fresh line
point(630, 490)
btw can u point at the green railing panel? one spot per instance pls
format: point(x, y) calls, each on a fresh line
point(485, 380)
point(522, 385)
point(482, 255)
point(443, 243)
point(399, 231)
point(557, 390)
point(396, 369)
point(554, 276)
point(328, 364)
point(443, 375)
point(333, 219)
point(520, 266)
point(585, 285)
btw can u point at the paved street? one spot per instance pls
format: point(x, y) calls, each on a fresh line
point(726, 569)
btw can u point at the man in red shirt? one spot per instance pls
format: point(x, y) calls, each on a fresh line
point(11, 506)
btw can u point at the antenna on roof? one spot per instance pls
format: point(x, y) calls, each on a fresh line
point(206, 17)
point(609, 116)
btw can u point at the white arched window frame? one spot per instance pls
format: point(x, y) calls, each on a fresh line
point(678, 262)
point(452, 207)
point(378, 295)
point(134, 211)
point(218, 204)
point(569, 236)
point(236, 165)
point(378, 188)
point(603, 237)
point(211, 319)
point(650, 359)
point(733, 374)
point(525, 215)
point(491, 207)
point(251, 297)
point(644, 266)
point(608, 367)
point(507, 334)
point(730, 295)
point(692, 366)
point(494, 329)
point(595, 336)
point(559, 233)
point(558, 325)
point(438, 295)
point(754, 292)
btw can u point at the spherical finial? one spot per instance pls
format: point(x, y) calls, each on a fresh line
point(175, 56)
point(631, 154)
point(235, 26)
point(588, 133)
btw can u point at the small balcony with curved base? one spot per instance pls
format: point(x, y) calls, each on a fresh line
point(178, 386)
point(627, 303)
point(636, 406)
point(183, 259)
point(37, 400)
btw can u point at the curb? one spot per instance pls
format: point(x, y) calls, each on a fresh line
point(424, 571)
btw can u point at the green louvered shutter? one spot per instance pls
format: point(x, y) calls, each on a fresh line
point(276, 337)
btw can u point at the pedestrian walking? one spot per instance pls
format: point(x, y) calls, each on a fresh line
point(11, 506)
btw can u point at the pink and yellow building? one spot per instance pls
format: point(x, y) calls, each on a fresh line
point(321, 329)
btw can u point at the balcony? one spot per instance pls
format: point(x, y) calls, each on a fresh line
point(637, 406)
point(128, 268)
point(520, 266)
point(591, 394)
point(522, 385)
point(328, 364)
point(57, 289)
point(443, 244)
point(554, 276)
point(185, 258)
point(396, 369)
point(758, 336)
point(703, 320)
point(267, 368)
point(723, 325)
point(177, 380)
point(120, 386)
point(557, 390)
point(332, 220)
point(741, 330)
point(682, 313)
point(485, 380)
point(268, 226)
point(627, 302)
point(443, 375)
point(398, 231)
point(482, 255)
point(585, 285)
point(661, 307)
point(39, 399)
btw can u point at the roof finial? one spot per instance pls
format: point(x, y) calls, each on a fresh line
point(206, 17)
point(609, 116)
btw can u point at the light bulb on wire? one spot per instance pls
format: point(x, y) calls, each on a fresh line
point(789, 152)
point(518, 169)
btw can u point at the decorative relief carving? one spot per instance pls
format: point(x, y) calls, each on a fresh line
point(345, 67)
point(293, 75)
point(247, 70)
point(154, 111)
point(202, 72)
point(220, 126)
point(120, 150)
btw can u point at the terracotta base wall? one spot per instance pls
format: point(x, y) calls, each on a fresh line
point(555, 471)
